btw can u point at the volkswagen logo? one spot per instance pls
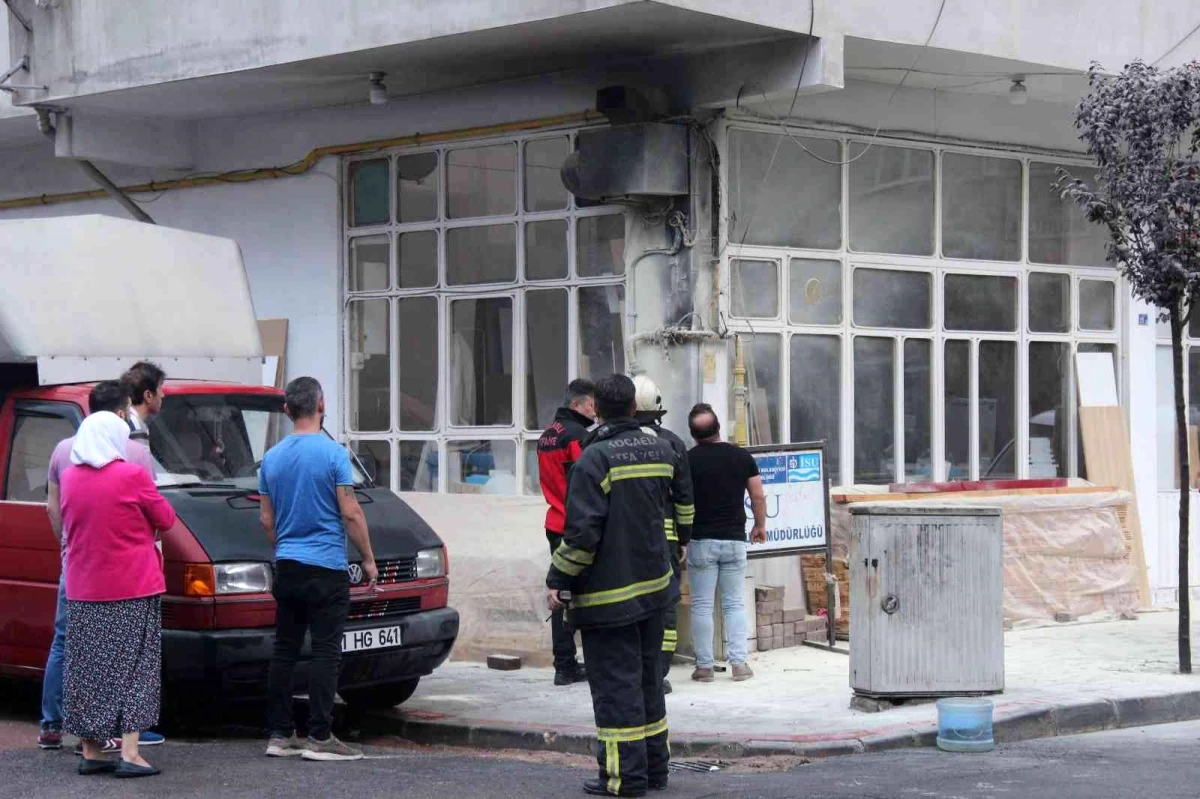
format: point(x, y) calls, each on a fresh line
point(356, 574)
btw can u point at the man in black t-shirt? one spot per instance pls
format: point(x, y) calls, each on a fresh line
point(722, 475)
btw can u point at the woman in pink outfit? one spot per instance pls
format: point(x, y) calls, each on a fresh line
point(114, 583)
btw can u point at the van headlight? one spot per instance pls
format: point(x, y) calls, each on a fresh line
point(242, 578)
point(431, 563)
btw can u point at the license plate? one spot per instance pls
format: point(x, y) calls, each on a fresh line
point(374, 638)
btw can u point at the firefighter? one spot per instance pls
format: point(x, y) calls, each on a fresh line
point(679, 528)
point(615, 563)
point(559, 447)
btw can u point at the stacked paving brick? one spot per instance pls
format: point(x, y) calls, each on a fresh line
point(778, 627)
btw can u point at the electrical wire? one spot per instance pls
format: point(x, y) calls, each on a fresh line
point(1177, 44)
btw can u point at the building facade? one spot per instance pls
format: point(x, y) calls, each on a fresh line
point(868, 212)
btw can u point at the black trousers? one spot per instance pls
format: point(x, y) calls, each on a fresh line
point(561, 636)
point(671, 618)
point(310, 600)
point(627, 699)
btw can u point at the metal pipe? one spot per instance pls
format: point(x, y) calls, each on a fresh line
point(22, 64)
point(19, 16)
point(740, 435)
point(98, 177)
point(631, 364)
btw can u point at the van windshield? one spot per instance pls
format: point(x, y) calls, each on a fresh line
point(217, 439)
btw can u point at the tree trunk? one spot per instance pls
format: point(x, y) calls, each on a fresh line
point(1185, 493)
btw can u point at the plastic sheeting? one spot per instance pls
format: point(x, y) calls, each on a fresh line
point(1063, 553)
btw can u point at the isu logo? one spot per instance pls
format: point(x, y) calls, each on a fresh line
point(356, 574)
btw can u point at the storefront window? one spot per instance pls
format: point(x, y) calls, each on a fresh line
point(814, 292)
point(815, 366)
point(874, 414)
point(546, 250)
point(601, 343)
point(981, 302)
point(481, 467)
point(416, 263)
point(918, 407)
point(1049, 302)
point(761, 354)
point(981, 207)
point(369, 332)
point(997, 410)
point(546, 356)
point(483, 254)
point(481, 181)
point(755, 289)
point(1049, 403)
point(884, 298)
point(376, 459)
point(891, 200)
point(544, 190)
point(481, 348)
point(1097, 305)
point(957, 409)
point(369, 195)
point(417, 187)
point(1058, 231)
point(370, 263)
point(600, 246)
point(783, 195)
point(418, 356)
point(418, 466)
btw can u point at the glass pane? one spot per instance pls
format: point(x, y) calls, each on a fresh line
point(481, 350)
point(546, 355)
point(601, 343)
point(783, 195)
point(376, 457)
point(418, 362)
point(891, 200)
point(546, 249)
point(754, 289)
point(485, 254)
point(417, 187)
point(958, 410)
point(1049, 303)
point(369, 192)
point(418, 466)
point(481, 181)
point(418, 266)
point(815, 292)
point(1058, 231)
point(874, 410)
point(761, 355)
point(1193, 329)
point(533, 484)
point(369, 331)
point(997, 410)
point(981, 302)
point(369, 263)
point(600, 245)
point(918, 409)
point(884, 298)
point(33, 443)
point(1168, 472)
point(1111, 349)
point(816, 379)
point(1097, 305)
point(981, 207)
point(482, 467)
point(544, 190)
point(1049, 399)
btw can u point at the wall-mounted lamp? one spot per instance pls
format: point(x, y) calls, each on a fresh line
point(1017, 93)
point(378, 92)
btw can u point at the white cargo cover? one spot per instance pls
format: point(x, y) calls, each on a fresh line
point(86, 296)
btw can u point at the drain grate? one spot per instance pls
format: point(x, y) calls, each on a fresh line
point(701, 766)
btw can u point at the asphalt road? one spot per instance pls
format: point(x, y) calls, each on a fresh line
point(1159, 762)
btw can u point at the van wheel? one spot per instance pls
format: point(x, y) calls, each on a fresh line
point(380, 697)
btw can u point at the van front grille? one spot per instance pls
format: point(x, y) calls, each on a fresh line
point(384, 607)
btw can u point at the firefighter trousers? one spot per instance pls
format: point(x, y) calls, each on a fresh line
point(625, 675)
point(671, 621)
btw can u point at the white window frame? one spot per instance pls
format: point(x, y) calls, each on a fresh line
point(939, 266)
point(444, 431)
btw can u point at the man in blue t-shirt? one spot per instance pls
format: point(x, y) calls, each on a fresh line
point(308, 509)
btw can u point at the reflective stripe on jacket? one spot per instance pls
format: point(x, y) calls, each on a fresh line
point(615, 557)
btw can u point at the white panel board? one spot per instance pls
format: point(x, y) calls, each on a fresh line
point(1097, 380)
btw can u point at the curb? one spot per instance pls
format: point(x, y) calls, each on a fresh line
point(1022, 725)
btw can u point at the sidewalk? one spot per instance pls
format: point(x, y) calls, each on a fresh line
point(1061, 680)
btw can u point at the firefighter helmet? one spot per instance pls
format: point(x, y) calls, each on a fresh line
point(648, 398)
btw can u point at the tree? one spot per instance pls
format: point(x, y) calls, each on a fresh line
point(1141, 127)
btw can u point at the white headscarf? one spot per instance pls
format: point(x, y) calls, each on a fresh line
point(101, 439)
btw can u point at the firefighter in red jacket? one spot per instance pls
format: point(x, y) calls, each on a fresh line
point(560, 446)
point(615, 564)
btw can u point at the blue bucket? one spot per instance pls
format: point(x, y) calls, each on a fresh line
point(965, 725)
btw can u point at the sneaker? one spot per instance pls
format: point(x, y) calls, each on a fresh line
point(330, 749)
point(702, 674)
point(145, 738)
point(742, 672)
point(279, 746)
point(50, 739)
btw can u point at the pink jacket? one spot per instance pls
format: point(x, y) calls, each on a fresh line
point(113, 514)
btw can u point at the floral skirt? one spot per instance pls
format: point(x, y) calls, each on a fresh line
point(113, 667)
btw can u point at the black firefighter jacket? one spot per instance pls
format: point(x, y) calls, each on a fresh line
point(614, 557)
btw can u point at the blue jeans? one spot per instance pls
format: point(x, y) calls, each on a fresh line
point(52, 683)
point(717, 567)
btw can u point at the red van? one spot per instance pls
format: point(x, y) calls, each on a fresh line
point(218, 613)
